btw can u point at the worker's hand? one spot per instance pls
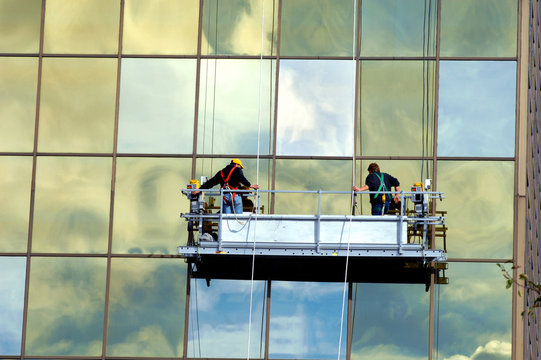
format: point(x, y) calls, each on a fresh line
point(356, 188)
point(255, 187)
point(396, 198)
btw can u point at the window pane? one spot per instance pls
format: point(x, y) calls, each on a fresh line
point(19, 78)
point(81, 27)
point(234, 27)
point(407, 172)
point(77, 105)
point(479, 27)
point(163, 122)
point(220, 319)
point(72, 205)
point(12, 282)
point(398, 28)
point(313, 175)
point(160, 27)
point(305, 320)
point(14, 202)
point(476, 115)
point(479, 205)
point(315, 107)
point(390, 321)
point(66, 304)
point(317, 27)
point(209, 168)
point(160, 331)
point(397, 108)
point(148, 203)
point(235, 104)
point(20, 23)
point(474, 313)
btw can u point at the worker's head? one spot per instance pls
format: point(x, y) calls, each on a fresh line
point(238, 162)
point(373, 167)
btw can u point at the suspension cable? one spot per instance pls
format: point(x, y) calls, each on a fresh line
point(352, 205)
point(257, 175)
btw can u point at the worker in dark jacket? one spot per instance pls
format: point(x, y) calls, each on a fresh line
point(380, 183)
point(230, 177)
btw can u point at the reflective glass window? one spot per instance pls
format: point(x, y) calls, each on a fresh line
point(71, 211)
point(234, 27)
point(157, 102)
point(317, 27)
point(81, 27)
point(20, 23)
point(148, 203)
point(19, 78)
point(77, 105)
point(305, 320)
point(13, 270)
point(14, 202)
point(479, 205)
point(476, 114)
point(398, 27)
point(236, 106)
point(397, 108)
point(255, 173)
point(390, 321)
point(315, 107)
point(473, 313)
point(407, 172)
point(160, 27)
point(220, 319)
point(144, 286)
point(66, 305)
point(479, 27)
point(313, 175)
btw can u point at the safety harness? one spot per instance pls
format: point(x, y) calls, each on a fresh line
point(381, 186)
point(226, 184)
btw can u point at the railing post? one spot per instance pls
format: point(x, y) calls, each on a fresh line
point(318, 222)
point(220, 220)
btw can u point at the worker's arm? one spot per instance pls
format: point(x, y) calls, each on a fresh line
point(357, 189)
point(397, 196)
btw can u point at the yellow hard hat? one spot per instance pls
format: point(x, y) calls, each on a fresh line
point(238, 162)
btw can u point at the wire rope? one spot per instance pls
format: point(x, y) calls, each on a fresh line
point(257, 176)
point(352, 205)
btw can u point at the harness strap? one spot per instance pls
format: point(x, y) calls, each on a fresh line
point(226, 183)
point(381, 186)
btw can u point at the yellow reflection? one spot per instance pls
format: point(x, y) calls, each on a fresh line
point(160, 27)
point(148, 203)
point(19, 78)
point(66, 302)
point(77, 105)
point(313, 175)
point(14, 202)
point(236, 107)
point(20, 23)
point(407, 172)
point(81, 27)
point(71, 212)
point(479, 205)
point(317, 27)
point(479, 27)
point(234, 27)
point(145, 286)
point(391, 108)
point(254, 172)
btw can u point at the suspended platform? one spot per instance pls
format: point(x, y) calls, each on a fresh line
point(383, 249)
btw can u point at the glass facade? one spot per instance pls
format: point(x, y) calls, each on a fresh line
point(109, 107)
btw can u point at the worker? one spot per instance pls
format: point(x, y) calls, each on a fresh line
point(379, 183)
point(230, 177)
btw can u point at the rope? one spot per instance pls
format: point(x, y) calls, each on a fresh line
point(257, 176)
point(352, 205)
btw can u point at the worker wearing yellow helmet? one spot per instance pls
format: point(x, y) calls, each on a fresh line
point(230, 177)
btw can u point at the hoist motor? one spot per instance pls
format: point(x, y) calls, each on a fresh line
point(419, 198)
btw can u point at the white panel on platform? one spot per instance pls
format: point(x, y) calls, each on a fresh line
point(332, 229)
